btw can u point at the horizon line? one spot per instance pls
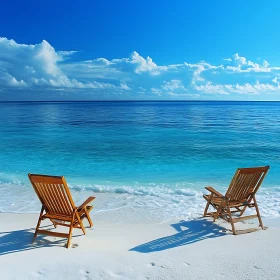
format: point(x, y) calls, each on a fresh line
point(126, 100)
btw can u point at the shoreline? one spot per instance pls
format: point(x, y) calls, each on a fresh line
point(195, 249)
point(155, 204)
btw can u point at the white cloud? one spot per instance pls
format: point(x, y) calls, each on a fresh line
point(14, 82)
point(99, 61)
point(246, 88)
point(125, 86)
point(178, 95)
point(241, 64)
point(46, 56)
point(66, 53)
point(265, 64)
point(276, 80)
point(156, 91)
point(145, 65)
point(173, 85)
point(40, 67)
point(212, 89)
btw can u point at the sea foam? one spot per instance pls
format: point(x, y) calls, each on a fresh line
point(133, 204)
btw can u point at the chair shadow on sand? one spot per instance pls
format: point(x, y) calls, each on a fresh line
point(21, 240)
point(188, 232)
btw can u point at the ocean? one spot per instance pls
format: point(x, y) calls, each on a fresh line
point(150, 160)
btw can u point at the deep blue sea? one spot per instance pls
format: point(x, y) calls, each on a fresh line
point(148, 155)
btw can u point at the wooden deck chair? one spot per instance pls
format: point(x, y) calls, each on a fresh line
point(58, 205)
point(240, 195)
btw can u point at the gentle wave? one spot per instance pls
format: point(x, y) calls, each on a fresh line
point(150, 189)
point(153, 202)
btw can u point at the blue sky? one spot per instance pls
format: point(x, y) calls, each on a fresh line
point(140, 50)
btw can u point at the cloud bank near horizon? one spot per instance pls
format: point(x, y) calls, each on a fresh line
point(40, 68)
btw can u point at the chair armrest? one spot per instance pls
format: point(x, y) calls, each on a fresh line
point(213, 191)
point(91, 198)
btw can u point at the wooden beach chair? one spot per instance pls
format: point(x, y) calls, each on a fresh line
point(240, 195)
point(58, 205)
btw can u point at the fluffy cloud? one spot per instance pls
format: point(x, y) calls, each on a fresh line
point(247, 88)
point(241, 64)
point(173, 85)
point(145, 65)
point(41, 68)
point(36, 66)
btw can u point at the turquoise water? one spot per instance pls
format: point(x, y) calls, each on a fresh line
point(137, 147)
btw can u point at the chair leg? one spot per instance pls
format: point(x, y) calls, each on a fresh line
point(245, 207)
point(70, 231)
point(230, 219)
point(69, 236)
point(243, 210)
point(89, 219)
point(258, 212)
point(217, 214)
point(38, 224)
point(207, 205)
point(81, 223)
point(219, 210)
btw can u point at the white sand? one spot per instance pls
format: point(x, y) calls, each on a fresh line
point(197, 249)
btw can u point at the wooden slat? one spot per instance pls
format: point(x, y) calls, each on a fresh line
point(64, 195)
point(52, 233)
point(45, 178)
point(62, 224)
point(237, 186)
point(248, 189)
point(214, 199)
point(240, 203)
point(58, 199)
point(53, 199)
point(249, 170)
point(89, 200)
point(45, 197)
point(58, 217)
point(53, 192)
point(63, 200)
point(67, 209)
point(248, 230)
point(245, 182)
point(212, 190)
point(240, 192)
point(233, 182)
point(69, 196)
point(49, 197)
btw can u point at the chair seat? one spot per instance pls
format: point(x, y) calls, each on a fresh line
point(233, 203)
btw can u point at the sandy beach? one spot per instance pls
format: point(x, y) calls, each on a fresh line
point(149, 119)
point(195, 249)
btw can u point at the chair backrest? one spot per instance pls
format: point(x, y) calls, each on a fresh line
point(246, 182)
point(53, 193)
